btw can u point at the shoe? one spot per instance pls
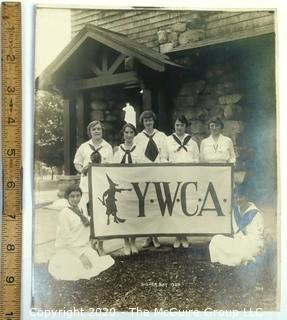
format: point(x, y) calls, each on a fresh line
point(176, 243)
point(101, 251)
point(184, 243)
point(134, 249)
point(94, 243)
point(100, 248)
point(127, 247)
point(155, 242)
point(147, 242)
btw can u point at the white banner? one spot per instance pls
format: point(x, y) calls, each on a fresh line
point(161, 199)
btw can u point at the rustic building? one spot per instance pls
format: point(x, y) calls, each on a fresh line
point(198, 63)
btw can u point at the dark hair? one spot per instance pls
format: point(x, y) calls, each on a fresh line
point(92, 124)
point(215, 120)
point(71, 189)
point(146, 115)
point(241, 191)
point(128, 125)
point(180, 118)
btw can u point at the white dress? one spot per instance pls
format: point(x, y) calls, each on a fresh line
point(174, 153)
point(216, 152)
point(141, 141)
point(83, 157)
point(72, 240)
point(240, 248)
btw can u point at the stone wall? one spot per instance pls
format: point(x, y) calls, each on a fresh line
point(199, 27)
point(215, 93)
point(105, 104)
point(181, 33)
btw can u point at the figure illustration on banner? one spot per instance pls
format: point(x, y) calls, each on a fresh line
point(109, 201)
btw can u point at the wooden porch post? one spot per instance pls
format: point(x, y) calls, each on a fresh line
point(69, 135)
point(81, 118)
point(146, 96)
point(163, 108)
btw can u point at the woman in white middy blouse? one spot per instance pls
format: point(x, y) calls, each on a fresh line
point(150, 143)
point(179, 147)
point(217, 148)
point(247, 240)
point(126, 153)
point(94, 150)
point(74, 258)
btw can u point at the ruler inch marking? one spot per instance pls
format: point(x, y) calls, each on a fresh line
point(11, 236)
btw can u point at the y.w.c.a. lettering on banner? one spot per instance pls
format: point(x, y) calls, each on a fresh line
point(160, 199)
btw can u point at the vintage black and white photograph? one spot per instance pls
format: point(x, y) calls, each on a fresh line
point(155, 160)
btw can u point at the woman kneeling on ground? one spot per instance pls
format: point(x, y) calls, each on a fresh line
point(74, 258)
point(248, 234)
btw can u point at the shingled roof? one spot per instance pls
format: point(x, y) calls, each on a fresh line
point(119, 42)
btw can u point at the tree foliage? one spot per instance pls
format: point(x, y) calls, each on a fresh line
point(49, 128)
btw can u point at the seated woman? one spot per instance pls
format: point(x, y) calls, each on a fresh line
point(127, 153)
point(74, 258)
point(248, 234)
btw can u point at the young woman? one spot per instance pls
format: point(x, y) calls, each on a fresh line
point(74, 258)
point(127, 152)
point(217, 147)
point(150, 143)
point(179, 147)
point(94, 150)
point(248, 233)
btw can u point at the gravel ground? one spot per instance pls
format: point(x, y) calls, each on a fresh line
point(183, 279)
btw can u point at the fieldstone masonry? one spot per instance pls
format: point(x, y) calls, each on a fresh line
point(212, 95)
point(106, 105)
point(182, 33)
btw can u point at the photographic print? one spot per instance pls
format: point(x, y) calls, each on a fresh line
point(155, 161)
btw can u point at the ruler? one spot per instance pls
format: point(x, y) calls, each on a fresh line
point(10, 281)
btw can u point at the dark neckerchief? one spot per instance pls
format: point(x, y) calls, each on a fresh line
point(127, 154)
point(244, 220)
point(182, 145)
point(151, 151)
point(94, 148)
point(81, 215)
point(95, 155)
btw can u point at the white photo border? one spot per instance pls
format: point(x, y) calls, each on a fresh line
point(28, 11)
